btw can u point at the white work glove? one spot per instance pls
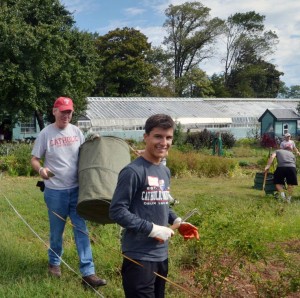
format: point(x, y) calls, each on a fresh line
point(178, 220)
point(161, 233)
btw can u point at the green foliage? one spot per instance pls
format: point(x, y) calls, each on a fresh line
point(162, 83)
point(247, 241)
point(197, 164)
point(17, 162)
point(228, 139)
point(246, 73)
point(201, 139)
point(218, 85)
point(124, 69)
point(204, 139)
point(259, 79)
point(42, 57)
point(294, 91)
point(243, 163)
point(191, 32)
point(195, 83)
point(246, 142)
point(179, 135)
point(264, 160)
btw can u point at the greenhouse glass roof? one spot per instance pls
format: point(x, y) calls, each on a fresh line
point(128, 111)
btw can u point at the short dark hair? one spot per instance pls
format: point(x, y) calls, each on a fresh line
point(159, 120)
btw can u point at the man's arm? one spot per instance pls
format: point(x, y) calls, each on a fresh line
point(270, 161)
point(36, 165)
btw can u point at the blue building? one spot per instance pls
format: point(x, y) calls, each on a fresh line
point(278, 122)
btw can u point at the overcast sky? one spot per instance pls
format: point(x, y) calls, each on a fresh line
point(148, 16)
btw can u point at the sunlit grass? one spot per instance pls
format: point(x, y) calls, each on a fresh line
point(235, 221)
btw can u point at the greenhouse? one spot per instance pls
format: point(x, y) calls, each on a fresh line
point(125, 116)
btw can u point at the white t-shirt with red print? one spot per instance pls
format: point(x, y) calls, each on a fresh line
point(60, 148)
point(289, 143)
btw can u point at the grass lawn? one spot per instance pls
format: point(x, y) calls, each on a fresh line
point(249, 243)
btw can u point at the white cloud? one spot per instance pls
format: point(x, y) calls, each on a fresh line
point(133, 11)
point(282, 17)
point(155, 34)
point(79, 6)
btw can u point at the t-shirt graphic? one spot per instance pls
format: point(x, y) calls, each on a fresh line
point(156, 192)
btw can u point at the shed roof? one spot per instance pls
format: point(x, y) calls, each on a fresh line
point(282, 114)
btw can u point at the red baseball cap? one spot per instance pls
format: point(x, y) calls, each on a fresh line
point(64, 104)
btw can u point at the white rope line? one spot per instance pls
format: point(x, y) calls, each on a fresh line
point(37, 235)
point(166, 279)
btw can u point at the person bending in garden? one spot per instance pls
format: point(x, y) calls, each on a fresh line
point(285, 172)
point(140, 205)
point(58, 144)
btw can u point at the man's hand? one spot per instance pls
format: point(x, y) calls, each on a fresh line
point(188, 231)
point(161, 233)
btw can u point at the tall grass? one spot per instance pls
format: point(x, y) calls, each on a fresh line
point(199, 164)
point(243, 235)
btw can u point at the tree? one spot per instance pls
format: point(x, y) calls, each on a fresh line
point(258, 79)
point(191, 35)
point(294, 91)
point(42, 57)
point(124, 69)
point(246, 38)
point(283, 90)
point(195, 83)
point(162, 84)
point(218, 85)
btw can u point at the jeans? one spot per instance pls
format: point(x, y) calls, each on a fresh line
point(63, 203)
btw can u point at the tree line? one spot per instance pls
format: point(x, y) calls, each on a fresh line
point(44, 55)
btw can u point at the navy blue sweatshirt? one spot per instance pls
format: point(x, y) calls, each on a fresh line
point(141, 199)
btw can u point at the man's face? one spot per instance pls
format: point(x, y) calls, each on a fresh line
point(62, 119)
point(158, 142)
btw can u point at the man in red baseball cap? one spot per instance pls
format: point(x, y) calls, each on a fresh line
point(64, 104)
point(58, 144)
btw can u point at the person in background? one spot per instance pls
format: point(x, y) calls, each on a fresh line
point(285, 171)
point(289, 142)
point(58, 144)
point(140, 205)
point(217, 145)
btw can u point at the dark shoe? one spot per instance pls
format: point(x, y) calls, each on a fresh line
point(93, 280)
point(54, 270)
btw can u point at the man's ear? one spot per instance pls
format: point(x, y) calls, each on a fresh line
point(145, 136)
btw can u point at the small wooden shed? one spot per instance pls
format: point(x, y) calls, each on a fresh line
point(278, 122)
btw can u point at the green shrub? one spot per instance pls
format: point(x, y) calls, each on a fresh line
point(204, 139)
point(246, 142)
point(17, 163)
point(228, 139)
point(200, 139)
point(243, 163)
point(6, 148)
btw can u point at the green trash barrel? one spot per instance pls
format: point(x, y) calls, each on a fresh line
point(100, 161)
point(259, 181)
